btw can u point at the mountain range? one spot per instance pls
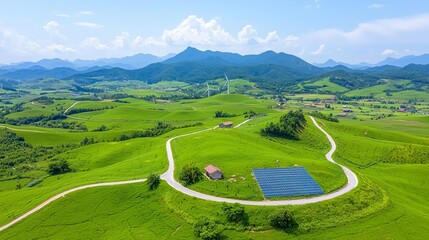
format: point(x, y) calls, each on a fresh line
point(268, 69)
point(130, 62)
point(397, 62)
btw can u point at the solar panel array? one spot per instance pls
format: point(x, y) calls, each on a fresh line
point(285, 182)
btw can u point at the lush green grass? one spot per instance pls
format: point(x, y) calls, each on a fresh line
point(326, 86)
point(391, 201)
point(120, 212)
point(407, 95)
point(311, 96)
point(237, 151)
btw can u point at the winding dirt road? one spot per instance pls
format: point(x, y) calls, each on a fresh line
point(352, 182)
point(63, 194)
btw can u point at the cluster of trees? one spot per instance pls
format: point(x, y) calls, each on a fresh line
point(100, 128)
point(320, 115)
point(18, 156)
point(290, 125)
point(59, 167)
point(235, 213)
point(220, 114)
point(353, 80)
point(159, 129)
point(81, 110)
point(44, 100)
point(249, 114)
point(190, 175)
point(208, 229)
point(87, 141)
point(50, 121)
point(19, 107)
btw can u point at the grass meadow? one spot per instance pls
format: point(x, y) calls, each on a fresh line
point(389, 155)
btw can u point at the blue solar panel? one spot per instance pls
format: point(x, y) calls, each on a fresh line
point(285, 182)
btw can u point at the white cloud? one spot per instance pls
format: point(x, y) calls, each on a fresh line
point(88, 24)
point(51, 27)
point(247, 34)
point(94, 42)
point(119, 41)
point(150, 41)
point(388, 52)
point(271, 37)
point(319, 50)
point(86, 13)
point(197, 31)
point(15, 43)
point(59, 48)
point(291, 38)
point(376, 6)
point(378, 30)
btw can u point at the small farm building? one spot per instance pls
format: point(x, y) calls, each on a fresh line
point(213, 172)
point(225, 125)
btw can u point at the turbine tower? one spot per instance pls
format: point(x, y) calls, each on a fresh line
point(226, 84)
point(208, 90)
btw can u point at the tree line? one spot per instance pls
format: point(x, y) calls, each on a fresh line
point(289, 126)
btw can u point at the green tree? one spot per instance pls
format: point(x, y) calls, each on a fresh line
point(290, 125)
point(190, 175)
point(282, 219)
point(153, 181)
point(235, 213)
point(208, 229)
point(59, 168)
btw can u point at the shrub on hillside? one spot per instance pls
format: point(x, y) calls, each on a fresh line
point(283, 220)
point(220, 114)
point(153, 181)
point(208, 229)
point(59, 168)
point(235, 213)
point(320, 115)
point(190, 175)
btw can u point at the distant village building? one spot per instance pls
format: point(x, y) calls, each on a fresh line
point(347, 110)
point(213, 172)
point(225, 125)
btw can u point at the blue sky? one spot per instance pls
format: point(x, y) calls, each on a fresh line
point(316, 30)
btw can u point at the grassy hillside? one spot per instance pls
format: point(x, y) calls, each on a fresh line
point(237, 151)
point(389, 156)
point(324, 85)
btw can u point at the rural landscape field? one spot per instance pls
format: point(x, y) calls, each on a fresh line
point(201, 133)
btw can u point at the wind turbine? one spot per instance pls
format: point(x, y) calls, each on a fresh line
point(208, 90)
point(226, 84)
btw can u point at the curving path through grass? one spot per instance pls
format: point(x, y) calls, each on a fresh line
point(63, 194)
point(352, 180)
